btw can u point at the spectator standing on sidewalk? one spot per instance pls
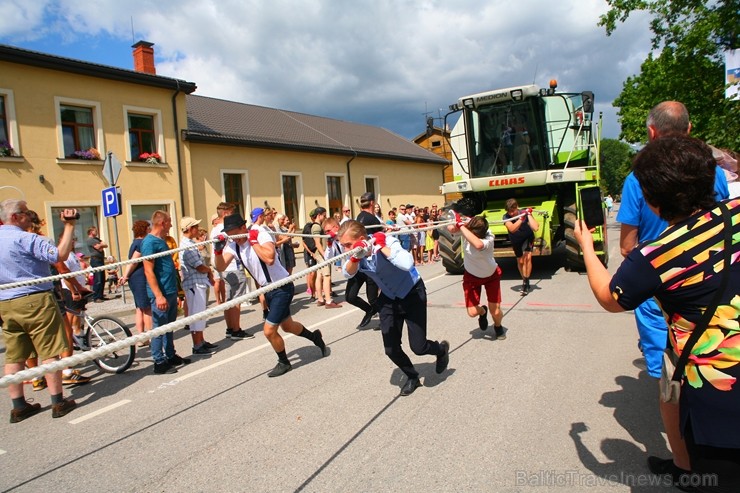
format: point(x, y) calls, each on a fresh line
point(134, 276)
point(32, 322)
point(367, 218)
point(197, 279)
point(97, 258)
point(161, 277)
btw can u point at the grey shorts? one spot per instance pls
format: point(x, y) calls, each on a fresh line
point(236, 284)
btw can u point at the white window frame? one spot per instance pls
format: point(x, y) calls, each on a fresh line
point(376, 180)
point(245, 186)
point(301, 219)
point(97, 114)
point(129, 204)
point(103, 232)
point(157, 116)
point(344, 191)
point(11, 121)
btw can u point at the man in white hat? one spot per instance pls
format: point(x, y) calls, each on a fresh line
point(197, 278)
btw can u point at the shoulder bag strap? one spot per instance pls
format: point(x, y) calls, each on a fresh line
point(707, 315)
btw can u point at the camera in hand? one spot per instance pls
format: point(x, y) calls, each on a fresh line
point(72, 217)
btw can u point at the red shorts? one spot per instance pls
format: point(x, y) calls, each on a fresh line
point(472, 288)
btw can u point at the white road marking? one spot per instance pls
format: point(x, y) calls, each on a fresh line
point(99, 412)
point(245, 353)
point(2, 451)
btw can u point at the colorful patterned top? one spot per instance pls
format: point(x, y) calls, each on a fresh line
point(682, 268)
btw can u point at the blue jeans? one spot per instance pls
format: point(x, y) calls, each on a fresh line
point(163, 347)
point(653, 330)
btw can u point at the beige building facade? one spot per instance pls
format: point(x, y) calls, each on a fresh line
point(62, 117)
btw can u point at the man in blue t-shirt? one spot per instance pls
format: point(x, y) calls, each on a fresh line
point(161, 277)
point(640, 223)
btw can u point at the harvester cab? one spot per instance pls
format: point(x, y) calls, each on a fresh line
point(536, 145)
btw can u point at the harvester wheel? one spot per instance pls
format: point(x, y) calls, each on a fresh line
point(450, 248)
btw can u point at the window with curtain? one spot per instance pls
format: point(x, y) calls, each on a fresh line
point(290, 198)
point(78, 129)
point(142, 138)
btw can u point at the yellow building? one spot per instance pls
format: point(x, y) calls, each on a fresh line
point(62, 117)
point(183, 153)
point(295, 162)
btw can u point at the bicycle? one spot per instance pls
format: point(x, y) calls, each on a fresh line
point(101, 331)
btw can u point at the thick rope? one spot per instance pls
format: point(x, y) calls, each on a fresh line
point(124, 344)
point(409, 229)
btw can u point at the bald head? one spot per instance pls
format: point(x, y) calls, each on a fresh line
point(668, 117)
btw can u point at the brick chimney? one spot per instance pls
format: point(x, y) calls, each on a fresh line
point(144, 57)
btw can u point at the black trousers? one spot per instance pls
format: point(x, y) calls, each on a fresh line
point(352, 292)
point(413, 310)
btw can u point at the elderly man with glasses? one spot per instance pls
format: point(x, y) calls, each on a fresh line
point(32, 320)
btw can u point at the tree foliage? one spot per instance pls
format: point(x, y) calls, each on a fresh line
point(616, 162)
point(689, 38)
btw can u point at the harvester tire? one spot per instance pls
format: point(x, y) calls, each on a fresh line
point(573, 256)
point(450, 249)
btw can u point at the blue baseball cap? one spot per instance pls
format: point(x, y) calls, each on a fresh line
point(256, 212)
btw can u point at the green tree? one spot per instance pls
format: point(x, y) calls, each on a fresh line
point(616, 161)
point(689, 38)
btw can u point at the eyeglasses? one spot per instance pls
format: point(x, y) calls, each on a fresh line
point(345, 210)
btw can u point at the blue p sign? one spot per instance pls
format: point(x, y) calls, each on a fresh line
point(111, 202)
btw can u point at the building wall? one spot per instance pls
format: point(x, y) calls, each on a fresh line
point(438, 144)
point(396, 181)
point(36, 93)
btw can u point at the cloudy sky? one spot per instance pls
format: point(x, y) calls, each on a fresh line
point(381, 62)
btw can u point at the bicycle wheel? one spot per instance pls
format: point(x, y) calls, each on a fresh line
point(105, 330)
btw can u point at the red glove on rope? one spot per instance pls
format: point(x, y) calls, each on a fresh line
point(253, 234)
point(365, 246)
point(460, 220)
point(220, 243)
point(379, 239)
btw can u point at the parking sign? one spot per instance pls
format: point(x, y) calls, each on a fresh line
point(111, 202)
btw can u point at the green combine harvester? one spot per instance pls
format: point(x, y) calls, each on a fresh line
point(538, 146)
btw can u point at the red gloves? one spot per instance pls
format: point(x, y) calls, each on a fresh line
point(253, 234)
point(528, 210)
point(461, 220)
point(219, 244)
point(379, 239)
point(365, 250)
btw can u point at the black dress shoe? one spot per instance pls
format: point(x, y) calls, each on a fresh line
point(366, 319)
point(319, 341)
point(681, 477)
point(444, 359)
point(411, 385)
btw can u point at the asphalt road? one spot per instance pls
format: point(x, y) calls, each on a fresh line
point(563, 404)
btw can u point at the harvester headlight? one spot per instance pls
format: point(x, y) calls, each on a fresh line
point(462, 185)
point(557, 176)
point(517, 95)
point(469, 103)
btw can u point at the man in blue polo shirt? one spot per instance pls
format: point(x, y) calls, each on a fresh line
point(640, 223)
